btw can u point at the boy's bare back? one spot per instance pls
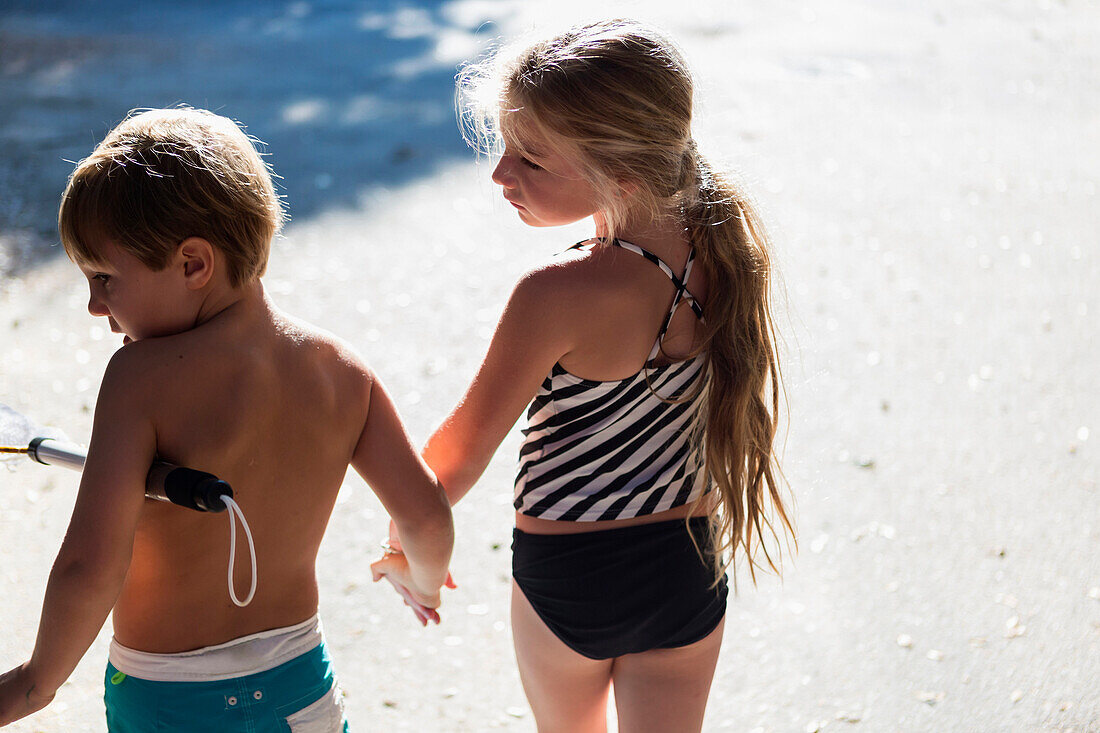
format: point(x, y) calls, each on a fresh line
point(274, 407)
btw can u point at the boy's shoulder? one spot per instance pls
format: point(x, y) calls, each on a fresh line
point(198, 393)
point(228, 351)
point(302, 335)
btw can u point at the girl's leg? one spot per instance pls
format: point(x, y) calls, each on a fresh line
point(567, 691)
point(666, 689)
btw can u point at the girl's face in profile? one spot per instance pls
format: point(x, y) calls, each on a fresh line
point(545, 187)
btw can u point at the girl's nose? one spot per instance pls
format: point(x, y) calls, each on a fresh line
point(502, 174)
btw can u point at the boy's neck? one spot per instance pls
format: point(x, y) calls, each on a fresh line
point(221, 300)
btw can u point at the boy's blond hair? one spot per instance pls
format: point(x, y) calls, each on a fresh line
point(164, 175)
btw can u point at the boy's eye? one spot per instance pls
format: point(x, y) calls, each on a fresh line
point(101, 276)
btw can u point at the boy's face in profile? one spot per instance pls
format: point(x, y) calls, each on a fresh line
point(137, 301)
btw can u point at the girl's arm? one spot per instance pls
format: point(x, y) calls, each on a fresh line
point(533, 333)
point(95, 555)
point(386, 458)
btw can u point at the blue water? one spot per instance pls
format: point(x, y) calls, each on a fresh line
point(349, 96)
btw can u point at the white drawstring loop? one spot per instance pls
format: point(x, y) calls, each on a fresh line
point(236, 510)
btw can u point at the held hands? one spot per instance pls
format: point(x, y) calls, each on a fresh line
point(18, 697)
point(394, 567)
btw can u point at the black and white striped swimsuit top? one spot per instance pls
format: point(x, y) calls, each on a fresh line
point(612, 450)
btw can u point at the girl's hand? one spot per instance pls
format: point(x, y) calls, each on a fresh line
point(18, 697)
point(394, 567)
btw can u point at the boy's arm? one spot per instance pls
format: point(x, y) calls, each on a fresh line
point(386, 459)
point(95, 555)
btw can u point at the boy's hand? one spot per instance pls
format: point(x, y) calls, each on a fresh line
point(394, 567)
point(18, 697)
point(394, 541)
point(393, 545)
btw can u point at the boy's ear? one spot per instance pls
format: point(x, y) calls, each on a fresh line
point(196, 256)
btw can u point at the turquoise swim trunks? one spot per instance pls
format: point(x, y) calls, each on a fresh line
point(298, 696)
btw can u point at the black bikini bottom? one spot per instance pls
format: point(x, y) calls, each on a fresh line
point(621, 591)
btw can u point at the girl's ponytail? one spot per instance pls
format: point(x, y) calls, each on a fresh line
point(741, 414)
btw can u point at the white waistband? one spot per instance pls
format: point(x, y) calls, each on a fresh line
point(247, 655)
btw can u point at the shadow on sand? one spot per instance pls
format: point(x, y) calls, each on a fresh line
point(348, 95)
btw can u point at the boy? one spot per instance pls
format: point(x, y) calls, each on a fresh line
point(171, 220)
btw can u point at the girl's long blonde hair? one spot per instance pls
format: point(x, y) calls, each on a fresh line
point(616, 98)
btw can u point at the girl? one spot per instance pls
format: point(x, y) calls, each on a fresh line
point(645, 360)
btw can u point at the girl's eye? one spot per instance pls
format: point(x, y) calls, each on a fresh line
point(102, 277)
point(530, 164)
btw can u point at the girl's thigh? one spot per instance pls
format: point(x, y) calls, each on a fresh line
point(666, 689)
point(567, 691)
